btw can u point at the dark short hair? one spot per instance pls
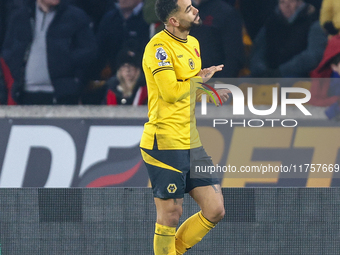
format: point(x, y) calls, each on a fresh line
point(128, 56)
point(164, 8)
point(335, 60)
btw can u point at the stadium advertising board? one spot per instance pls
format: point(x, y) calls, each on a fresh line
point(105, 153)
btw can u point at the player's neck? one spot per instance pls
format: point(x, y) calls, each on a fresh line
point(176, 32)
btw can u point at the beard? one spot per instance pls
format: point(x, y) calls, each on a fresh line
point(188, 26)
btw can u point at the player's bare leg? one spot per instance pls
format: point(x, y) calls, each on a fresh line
point(168, 213)
point(210, 200)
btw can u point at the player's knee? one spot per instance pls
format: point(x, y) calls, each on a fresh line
point(216, 213)
point(220, 212)
point(173, 221)
point(170, 218)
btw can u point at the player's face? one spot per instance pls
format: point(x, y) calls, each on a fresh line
point(289, 7)
point(188, 15)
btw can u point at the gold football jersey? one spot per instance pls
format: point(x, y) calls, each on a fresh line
point(171, 65)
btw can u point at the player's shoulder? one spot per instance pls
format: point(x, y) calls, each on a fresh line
point(158, 47)
point(158, 40)
point(157, 50)
point(192, 40)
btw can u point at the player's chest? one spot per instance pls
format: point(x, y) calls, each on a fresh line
point(186, 60)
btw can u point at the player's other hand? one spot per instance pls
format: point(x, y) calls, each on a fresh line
point(223, 93)
point(207, 73)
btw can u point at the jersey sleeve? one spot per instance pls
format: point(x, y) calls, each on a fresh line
point(199, 94)
point(159, 60)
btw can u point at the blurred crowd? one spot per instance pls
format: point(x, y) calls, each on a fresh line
point(74, 52)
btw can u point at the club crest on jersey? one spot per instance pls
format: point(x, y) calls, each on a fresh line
point(191, 64)
point(161, 54)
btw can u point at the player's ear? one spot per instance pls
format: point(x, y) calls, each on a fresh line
point(173, 21)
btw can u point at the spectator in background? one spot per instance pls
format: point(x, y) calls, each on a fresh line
point(6, 9)
point(128, 86)
point(290, 44)
point(49, 46)
point(121, 27)
point(220, 36)
point(316, 4)
point(330, 16)
point(255, 13)
point(325, 92)
point(95, 9)
point(151, 18)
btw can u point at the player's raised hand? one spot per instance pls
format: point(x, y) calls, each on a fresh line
point(207, 73)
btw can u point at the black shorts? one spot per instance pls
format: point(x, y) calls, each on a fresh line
point(169, 171)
